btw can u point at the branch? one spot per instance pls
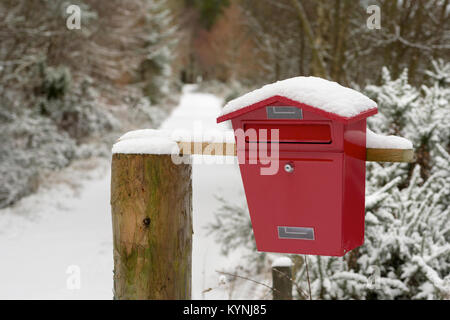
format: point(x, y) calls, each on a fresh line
point(322, 72)
point(248, 279)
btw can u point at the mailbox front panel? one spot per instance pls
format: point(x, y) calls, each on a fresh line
point(315, 205)
point(299, 211)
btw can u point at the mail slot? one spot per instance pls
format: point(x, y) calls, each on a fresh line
point(291, 133)
point(314, 202)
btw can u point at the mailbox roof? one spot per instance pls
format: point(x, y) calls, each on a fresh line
point(318, 95)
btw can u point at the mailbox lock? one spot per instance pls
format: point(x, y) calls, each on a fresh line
point(289, 168)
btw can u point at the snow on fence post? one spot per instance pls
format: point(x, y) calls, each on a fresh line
point(282, 279)
point(151, 201)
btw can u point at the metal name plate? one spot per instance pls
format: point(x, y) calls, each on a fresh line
point(296, 233)
point(284, 113)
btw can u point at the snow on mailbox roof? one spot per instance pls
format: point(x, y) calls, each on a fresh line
point(319, 95)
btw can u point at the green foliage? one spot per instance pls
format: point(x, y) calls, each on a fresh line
point(72, 108)
point(209, 10)
point(55, 81)
point(155, 71)
point(232, 226)
point(233, 229)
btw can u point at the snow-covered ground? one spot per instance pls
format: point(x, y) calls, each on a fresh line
point(65, 228)
point(211, 177)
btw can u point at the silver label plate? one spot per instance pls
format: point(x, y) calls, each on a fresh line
point(284, 113)
point(296, 233)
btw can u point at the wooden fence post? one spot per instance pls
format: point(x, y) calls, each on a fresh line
point(282, 279)
point(151, 201)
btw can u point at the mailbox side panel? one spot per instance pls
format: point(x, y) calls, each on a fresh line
point(354, 185)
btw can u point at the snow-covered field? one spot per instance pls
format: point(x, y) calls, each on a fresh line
point(65, 228)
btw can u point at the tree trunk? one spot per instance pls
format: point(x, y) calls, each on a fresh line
point(319, 68)
point(151, 200)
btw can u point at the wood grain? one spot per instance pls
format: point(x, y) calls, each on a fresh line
point(390, 155)
point(282, 283)
point(151, 201)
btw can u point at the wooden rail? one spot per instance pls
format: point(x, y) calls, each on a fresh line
point(229, 149)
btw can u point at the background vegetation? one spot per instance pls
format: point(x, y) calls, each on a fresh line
point(65, 94)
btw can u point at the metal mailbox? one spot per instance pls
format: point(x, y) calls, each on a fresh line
point(314, 203)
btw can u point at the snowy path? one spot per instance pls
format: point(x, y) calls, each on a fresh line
point(210, 178)
point(60, 226)
point(68, 224)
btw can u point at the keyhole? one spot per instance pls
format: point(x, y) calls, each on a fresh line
point(289, 168)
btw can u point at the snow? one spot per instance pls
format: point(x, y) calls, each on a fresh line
point(65, 226)
point(145, 134)
point(192, 121)
point(222, 280)
point(211, 135)
point(317, 92)
point(152, 145)
point(282, 262)
point(432, 275)
point(377, 141)
point(146, 141)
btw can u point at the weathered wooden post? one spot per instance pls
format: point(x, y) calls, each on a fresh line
point(282, 279)
point(151, 200)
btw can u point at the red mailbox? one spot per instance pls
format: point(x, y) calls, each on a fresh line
point(314, 202)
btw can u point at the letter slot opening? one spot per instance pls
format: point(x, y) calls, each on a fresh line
point(319, 133)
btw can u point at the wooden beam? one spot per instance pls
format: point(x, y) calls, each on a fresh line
point(229, 149)
point(207, 148)
point(390, 155)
